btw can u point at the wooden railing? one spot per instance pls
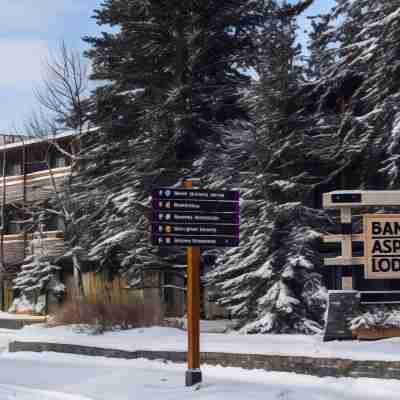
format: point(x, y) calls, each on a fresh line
point(38, 185)
point(16, 248)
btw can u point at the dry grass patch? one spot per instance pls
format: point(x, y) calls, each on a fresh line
point(101, 316)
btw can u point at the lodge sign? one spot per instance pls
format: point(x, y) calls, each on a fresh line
point(382, 246)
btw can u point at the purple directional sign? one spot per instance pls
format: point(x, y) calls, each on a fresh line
point(195, 229)
point(189, 194)
point(193, 217)
point(213, 241)
point(196, 205)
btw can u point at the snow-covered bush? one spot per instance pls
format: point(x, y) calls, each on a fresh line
point(37, 278)
point(379, 316)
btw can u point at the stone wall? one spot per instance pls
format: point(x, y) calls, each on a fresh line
point(303, 365)
point(18, 323)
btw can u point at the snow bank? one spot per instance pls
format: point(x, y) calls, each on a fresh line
point(171, 339)
point(10, 392)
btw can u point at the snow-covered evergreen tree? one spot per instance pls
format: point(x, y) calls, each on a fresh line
point(361, 88)
point(38, 276)
point(173, 76)
point(273, 281)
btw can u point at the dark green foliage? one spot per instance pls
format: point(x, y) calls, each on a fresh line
point(173, 73)
point(178, 101)
point(274, 282)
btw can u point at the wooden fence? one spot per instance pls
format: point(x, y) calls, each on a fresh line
point(98, 288)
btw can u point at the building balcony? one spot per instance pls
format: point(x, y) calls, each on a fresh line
point(18, 246)
point(33, 187)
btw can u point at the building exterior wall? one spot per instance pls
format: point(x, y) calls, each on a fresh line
point(29, 182)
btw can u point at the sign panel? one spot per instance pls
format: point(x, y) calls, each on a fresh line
point(196, 205)
point(177, 217)
point(213, 241)
point(195, 229)
point(193, 217)
point(382, 246)
point(179, 194)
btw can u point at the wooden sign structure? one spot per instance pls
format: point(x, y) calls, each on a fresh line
point(381, 234)
point(191, 218)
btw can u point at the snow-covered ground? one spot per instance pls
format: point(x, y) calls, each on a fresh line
point(51, 376)
point(6, 315)
point(171, 339)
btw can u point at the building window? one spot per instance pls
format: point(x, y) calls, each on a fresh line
point(14, 223)
point(54, 223)
point(36, 166)
point(57, 160)
point(13, 168)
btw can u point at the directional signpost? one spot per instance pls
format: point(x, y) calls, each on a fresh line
point(193, 218)
point(209, 218)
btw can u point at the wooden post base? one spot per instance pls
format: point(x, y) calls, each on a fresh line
point(342, 306)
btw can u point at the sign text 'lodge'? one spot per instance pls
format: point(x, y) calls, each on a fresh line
point(382, 246)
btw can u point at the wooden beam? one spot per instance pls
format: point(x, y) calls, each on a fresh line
point(193, 374)
point(339, 238)
point(345, 262)
point(48, 235)
point(357, 198)
point(35, 187)
point(15, 179)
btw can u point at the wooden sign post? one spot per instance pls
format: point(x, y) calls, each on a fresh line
point(191, 218)
point(193, 373)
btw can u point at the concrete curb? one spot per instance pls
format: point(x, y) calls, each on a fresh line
point(321, 367)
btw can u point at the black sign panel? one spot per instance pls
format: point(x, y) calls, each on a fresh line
point(189, 194)
point(213, 241)
point(197, 206)
point(193, 218)
point(346, 198)
point(196, 229)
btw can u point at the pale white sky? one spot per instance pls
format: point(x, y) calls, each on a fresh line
point(28, 29)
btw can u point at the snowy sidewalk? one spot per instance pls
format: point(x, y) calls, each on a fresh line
point(50, 376)
point(171, 339)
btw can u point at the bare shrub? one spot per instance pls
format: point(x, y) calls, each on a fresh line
point(100, 316)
